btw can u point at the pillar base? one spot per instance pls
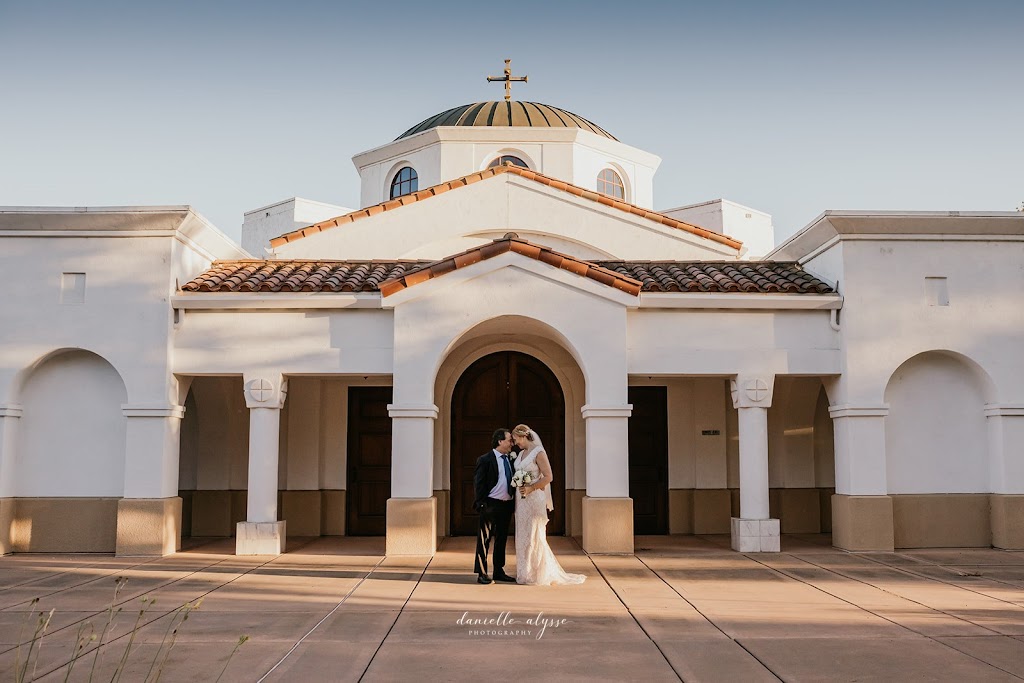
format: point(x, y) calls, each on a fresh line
point(259, 538)
point(608, 526)
point(411, 526)
point(862, 523)
point(148, 526)
point(755, 535)
point(1007, 521)
point(6, 520)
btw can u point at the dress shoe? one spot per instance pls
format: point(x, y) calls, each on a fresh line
point(483, 578)
point(504, 577)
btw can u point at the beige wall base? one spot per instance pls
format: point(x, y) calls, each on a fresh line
point(825, 509)
point(862, 522)
point(712, 511)
point(332, 512)
point(260, 538)
point(608, 525)
point(148, 526)
point(444, 509)
point(680, 511)
point(302, 511)
point(799, 511)
point(6, 519)
point(1007, 521)
point(63, 525)
point(411, 526)
point(574, 512)
point(211, 513)
point(944, 520)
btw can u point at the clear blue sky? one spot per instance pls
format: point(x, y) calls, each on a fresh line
point(789, 107)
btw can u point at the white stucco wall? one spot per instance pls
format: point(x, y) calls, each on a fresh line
point(467, 217)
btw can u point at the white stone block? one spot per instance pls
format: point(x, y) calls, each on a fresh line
point(755, 535)
point(259, 538)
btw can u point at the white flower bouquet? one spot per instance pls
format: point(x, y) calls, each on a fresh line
point(521, 478)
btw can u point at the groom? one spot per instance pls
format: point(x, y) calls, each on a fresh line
point(492, 482)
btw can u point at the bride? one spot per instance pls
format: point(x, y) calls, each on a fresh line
point(535, 563)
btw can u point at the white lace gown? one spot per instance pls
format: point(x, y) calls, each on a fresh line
point(535, 563)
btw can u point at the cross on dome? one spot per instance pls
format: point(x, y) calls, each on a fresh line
point(507, 79)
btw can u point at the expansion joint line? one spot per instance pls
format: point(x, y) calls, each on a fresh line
point(325, 618)
point(707, 619)
point(896, 595)
point(628, 610)
point(399, 615)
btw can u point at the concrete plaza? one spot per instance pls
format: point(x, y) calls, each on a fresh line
point(684, 608)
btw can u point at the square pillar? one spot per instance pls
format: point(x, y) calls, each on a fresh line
point(9, 418)
point(754, 530)
point(862, 511)
point(412, 508)
point(149, 515)
point(1006, 474)
point(607, 508)
point(261, 533)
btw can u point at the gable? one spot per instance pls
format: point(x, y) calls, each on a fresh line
point(470, 211)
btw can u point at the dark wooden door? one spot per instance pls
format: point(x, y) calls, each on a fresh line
point(369, 461)
point(503, 390)
point(648, 459)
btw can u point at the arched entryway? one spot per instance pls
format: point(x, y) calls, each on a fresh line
point(502, 390)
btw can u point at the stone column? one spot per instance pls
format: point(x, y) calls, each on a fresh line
point(149, 514)
point(261, 533)
point(861, 507)
point(607, 507)
point(754, 531)
point(412, 508)
point(10, 415)
point(1006, 434)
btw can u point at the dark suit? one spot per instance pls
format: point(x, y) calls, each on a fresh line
point(495, 515)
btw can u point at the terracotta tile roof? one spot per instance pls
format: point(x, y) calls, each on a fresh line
point(511, 242)
point(388, 277)
point(299, 276)
point(489, 173)
point(759, 277)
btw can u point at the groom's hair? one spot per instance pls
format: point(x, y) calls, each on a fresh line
point(499, 436)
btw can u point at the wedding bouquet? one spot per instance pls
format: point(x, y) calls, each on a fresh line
point(521, 478)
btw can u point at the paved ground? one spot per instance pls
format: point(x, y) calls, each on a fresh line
point(334, 609)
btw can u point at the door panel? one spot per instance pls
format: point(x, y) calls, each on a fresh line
point(648, 459)
point(369, 461)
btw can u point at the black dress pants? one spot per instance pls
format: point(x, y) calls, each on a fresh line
point(495, 518)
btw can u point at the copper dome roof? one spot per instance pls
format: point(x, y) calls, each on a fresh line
point(502, 113)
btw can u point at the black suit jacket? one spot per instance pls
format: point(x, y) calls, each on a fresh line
point(485, 477)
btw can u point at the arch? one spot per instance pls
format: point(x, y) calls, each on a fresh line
point(494, 158)
point(71, 436)
point(936, 438)
point(485, 340)
point(404, 181)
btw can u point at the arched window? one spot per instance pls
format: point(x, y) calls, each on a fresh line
point(609, 183)
point(500, 161)
point(405, 182)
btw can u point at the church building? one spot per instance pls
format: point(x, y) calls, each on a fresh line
point(339, 372)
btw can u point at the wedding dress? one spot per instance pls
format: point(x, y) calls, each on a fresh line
point(535, 563)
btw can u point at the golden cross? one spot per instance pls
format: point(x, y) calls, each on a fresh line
point(507, 79)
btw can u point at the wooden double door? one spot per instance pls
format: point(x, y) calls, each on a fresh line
point(648, 459)
point(502, 390)
point(369, 461)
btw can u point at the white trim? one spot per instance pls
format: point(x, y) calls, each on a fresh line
point(274, 300)
point(820, 250)
point(847, 410)
point(1004, 410)
point(427, 410)
point(152, 410)
point(90, 233)
point(749, 301)
point(194, 246)
point(932, 237)
point(588, 411)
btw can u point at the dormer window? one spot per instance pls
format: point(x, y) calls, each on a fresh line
point(514, 160)
point(609, 183)
point(405, 182)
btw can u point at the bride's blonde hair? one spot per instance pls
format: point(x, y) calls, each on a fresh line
point(524, 430)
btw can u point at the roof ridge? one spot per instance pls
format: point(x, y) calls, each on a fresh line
point(471, 178)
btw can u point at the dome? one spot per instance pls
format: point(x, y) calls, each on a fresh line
point(507, 113)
